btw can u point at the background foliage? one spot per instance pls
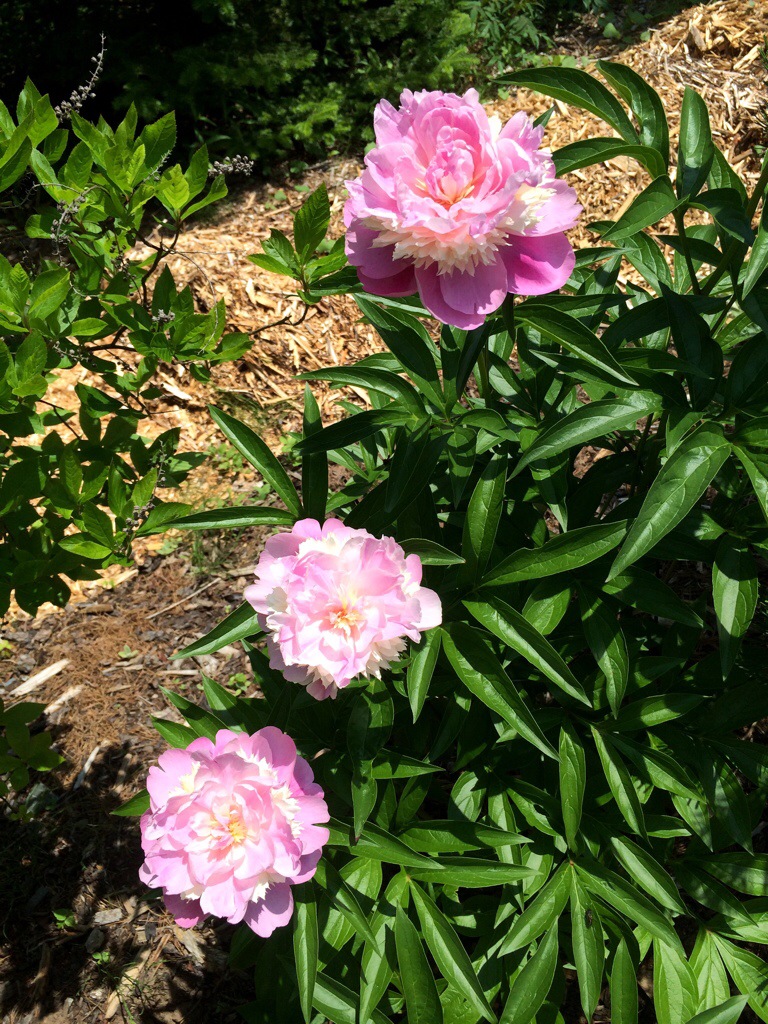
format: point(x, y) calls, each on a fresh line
point(293, 78)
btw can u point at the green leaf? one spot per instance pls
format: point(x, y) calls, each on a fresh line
point(681, 482)
point(649, 712)
point(471, 872)
point(566, 330)
point(48, 292)
point(423, 660)
point(642, 590)
point(450, 836)
point(338, 1003)
point(674, 984)
point(707, 965)
point(258, 454)
point(81, 545)
point(654, 203)
point(310, 222)
point(571, 85)
point(750, 974)
point(562, 553)
point(376, 843)
point(758, 258)
point(343, 898)
point(173, 733)
point(531, 986)
point(483, 674)
point(409, 342)
point(134, 807)
point(643, 868)
point(482, 519)
point(595, 151)
point(421, 998)
point(305, 945)
point(728, 1012)
point(607, 643)
point(449, 953)
point(644, 102)
point(588, 422)
point(354, 428)
point(372, 379)
point(314, 468)
point(238, 625)
point(540, 913)
point(696, 150)
point(511, 627)
point(430, 552)
point(588, 947)
point(620, 782)
point(734, 592)
point(232, 518)
point(624, 1001)
point(573, 780)
point(625, 898)
point(746, 872)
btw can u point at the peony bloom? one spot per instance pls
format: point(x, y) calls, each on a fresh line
point(336, 603)
point(456, 207)
point(232, 824)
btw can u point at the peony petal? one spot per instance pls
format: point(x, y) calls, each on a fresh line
point(461, 299)
point(273, 911)
point(538, 265)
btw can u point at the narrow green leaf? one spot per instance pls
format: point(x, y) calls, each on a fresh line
point(607, 643)
point(653, 204)
point(576, 87)
point(483, 674)
point(531, 987)
point(540, 913)
point(624, 1001)
point(449, 953)
point(515, 630)
point(258, 454)
point(238, 625)
point(232, 518)
point(620, 782)
point(419, 675)
point(573, 780)
point(563, 553)
point(421, 998)
point(735, 592)
point(305, 945)
point(314, 467)
point(683, 479)
point(643, 868)
point(588, 947)
point(588, 422)
point(696, 150)
point(482, 519)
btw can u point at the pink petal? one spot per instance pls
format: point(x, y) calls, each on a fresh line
point(539, 265)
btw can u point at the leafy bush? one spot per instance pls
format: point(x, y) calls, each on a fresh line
point(79, 297)
point(553, 791)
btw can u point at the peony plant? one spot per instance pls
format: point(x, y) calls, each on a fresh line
point(539, 765)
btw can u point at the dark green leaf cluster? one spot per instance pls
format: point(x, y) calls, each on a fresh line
point(77, 482)
point(22, 753)
point(554, 789)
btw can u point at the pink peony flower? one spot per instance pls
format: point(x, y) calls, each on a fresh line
point(336, 603)
point(232, 824)
point(456, 207)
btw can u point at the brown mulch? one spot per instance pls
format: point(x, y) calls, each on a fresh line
point(114, 642)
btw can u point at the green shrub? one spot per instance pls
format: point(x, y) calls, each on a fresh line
point(78, 483)
point(554, 790)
